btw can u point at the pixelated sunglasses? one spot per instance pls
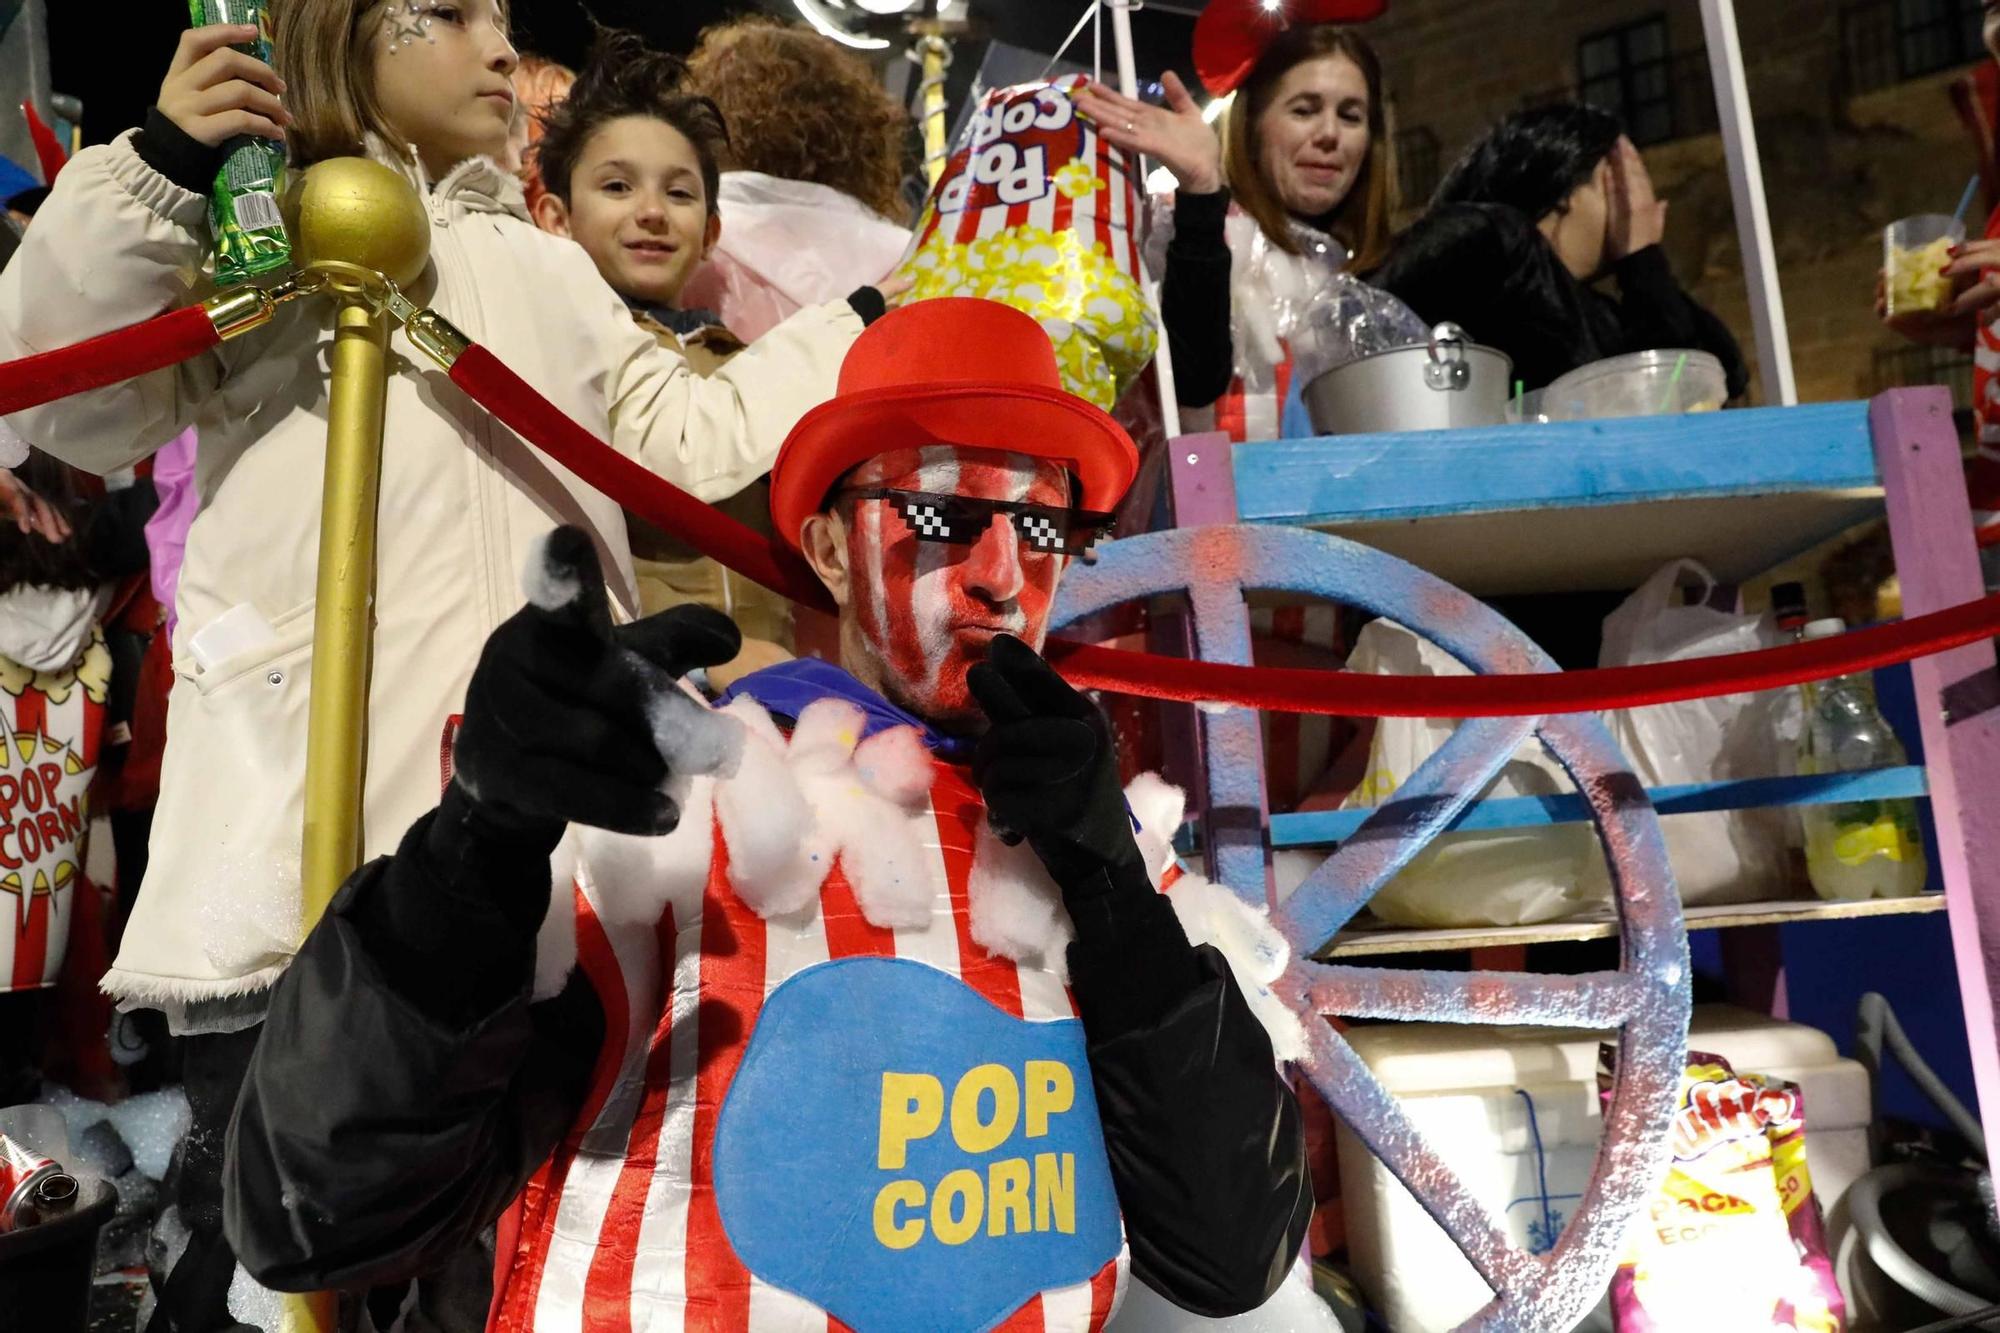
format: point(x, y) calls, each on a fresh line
point(960, 520)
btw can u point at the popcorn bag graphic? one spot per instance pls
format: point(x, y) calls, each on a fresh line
point(1035, 210)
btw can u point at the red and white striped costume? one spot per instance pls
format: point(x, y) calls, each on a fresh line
point(50, 727)
point(620, 1230)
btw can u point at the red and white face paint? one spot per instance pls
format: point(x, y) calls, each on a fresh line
point(927, 611)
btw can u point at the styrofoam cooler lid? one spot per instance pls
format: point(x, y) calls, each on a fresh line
point(1428, 1059)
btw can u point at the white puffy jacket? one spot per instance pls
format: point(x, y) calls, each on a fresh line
point(462, 499)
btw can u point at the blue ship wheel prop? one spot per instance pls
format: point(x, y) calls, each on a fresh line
point(1646, 1001)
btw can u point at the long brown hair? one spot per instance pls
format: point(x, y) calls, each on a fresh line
point(800, 108)
point(1364, 218)
point(321, 52)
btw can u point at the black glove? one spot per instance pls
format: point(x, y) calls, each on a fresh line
point(562, 712)
point(1048, 768)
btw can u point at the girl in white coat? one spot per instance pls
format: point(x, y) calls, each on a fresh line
point(423, 85)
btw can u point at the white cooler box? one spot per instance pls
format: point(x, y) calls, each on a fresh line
point(1470, 1090)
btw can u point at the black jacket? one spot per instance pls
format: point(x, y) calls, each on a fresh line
point(405, 1088)
point(1488, 269)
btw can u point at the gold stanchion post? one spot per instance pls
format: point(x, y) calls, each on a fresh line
point(357, 226)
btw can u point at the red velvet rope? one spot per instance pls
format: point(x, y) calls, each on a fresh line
point(1989, 535)
point(106, 359)
point(1288, 690)
point(535, 419)
point(1351, 694)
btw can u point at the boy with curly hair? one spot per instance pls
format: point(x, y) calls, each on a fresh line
point(629, 163)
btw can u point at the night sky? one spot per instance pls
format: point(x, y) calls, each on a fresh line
point(118, 72)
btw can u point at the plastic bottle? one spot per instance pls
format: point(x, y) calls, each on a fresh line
point(1856, 850)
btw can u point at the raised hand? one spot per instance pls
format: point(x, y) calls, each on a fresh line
point(1638, 217)
point(1048, 768)
point(568, 720)
point(29, 511)
point(215, 92)
point(1175, 134)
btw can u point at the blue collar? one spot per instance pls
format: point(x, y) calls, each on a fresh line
point(786, 689)
point(680, 323)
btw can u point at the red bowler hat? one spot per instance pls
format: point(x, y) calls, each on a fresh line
point(953, 370)
point(1231, 35)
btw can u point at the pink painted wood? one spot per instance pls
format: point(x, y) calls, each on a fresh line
point(1958, 704)
point(1203, 473)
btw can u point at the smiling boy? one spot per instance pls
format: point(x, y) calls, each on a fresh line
point(630, 165)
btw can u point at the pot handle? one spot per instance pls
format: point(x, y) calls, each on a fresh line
point(1448, 371)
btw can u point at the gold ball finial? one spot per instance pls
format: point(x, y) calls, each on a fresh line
point(350, 210)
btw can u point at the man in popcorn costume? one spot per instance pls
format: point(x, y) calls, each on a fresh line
point(867, 1010)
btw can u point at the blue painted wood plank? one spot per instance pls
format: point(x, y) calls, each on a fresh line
point(1757, 451)
point(1325, 828)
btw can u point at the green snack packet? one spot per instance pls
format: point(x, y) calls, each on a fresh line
point(243, 211)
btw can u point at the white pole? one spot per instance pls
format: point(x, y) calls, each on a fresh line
point(1128, 83)
point(1121, 35)
point(1746, 188)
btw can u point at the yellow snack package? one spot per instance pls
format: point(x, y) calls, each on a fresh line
point(1035, 210)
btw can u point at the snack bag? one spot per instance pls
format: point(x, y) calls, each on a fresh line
point(1733, 1238)
point(243, 212)
point(1035, 210)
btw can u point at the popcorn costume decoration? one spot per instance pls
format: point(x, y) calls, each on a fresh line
point(1036, 211)
point(893, 1012)
point(51, 722)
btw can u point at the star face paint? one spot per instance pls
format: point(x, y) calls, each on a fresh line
point(927, 611)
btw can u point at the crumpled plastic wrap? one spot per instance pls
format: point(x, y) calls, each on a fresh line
point(1035, 210)
point(1306, 302)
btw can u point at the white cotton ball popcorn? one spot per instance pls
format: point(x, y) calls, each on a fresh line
point(896, 765)
point(555, 941)
point(1158, 806)
point(776, 862)
point(694, 739)
point(1016, 910)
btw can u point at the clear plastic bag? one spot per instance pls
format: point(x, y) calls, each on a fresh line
point(1513, 877)
point(1306, 303)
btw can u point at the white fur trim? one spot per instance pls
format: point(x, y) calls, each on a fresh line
point(143, 990)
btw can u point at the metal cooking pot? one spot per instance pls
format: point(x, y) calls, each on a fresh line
point(1444, 385)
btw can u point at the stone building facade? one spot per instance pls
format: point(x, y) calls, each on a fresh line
point(1854, 117)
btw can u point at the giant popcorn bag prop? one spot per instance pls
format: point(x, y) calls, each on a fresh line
point(1035, 210)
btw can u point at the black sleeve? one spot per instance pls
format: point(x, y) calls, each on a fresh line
point(1194, 299)
point(1206, 1145)
point(1488, 270)
point(114, 536)
point(868, 303)
point(404, 1087)
point(1654, 311)
point(181, 158)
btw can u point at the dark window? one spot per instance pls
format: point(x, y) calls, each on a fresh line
point(1937, 34)
point(1629, 72)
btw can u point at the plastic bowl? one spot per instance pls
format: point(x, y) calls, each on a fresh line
point(1642, 384)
